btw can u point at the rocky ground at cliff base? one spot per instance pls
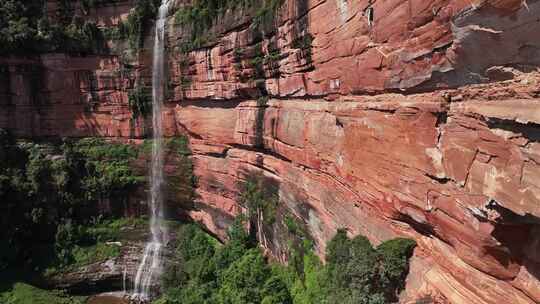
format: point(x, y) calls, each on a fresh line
point(112, 274)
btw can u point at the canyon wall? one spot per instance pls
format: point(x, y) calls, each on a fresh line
point(423, 122)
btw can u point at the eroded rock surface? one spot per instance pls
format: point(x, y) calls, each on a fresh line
point(452, 176)
point(113, 274)
point(425, 124)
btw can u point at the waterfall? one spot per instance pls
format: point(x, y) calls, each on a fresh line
point(151, 265)
point(124, 278)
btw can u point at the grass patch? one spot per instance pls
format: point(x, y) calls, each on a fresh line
point(99, 149)
point(92, 254)
point(22, 293)
point(110, 230)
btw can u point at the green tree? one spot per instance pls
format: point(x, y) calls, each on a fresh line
point(45, 186)
point(358, 275)
point(275, 291)
point(243, 281)
point(394, 255)
point(64, 242)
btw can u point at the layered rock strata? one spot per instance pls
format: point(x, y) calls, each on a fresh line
point(423, 124)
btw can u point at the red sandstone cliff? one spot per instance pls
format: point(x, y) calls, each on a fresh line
point(425, 125)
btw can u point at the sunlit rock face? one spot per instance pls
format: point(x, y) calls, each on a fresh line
point(390, 162)
point(425, 124)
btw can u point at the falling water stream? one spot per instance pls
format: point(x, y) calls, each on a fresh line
point(151, 265)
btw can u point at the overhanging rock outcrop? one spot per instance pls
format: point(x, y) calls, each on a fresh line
point(423, 124)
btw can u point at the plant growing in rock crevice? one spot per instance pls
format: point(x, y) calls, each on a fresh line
point(238, 53)
point(259, 121)
point(138, 20)
point(260, 198)
point(135, 26)
point(264, 20)
point(304, 43)
point(184, 181)
point(140, 102)
point(199, 18)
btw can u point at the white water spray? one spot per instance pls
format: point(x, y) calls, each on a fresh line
point(124, 278)
point(151, 265)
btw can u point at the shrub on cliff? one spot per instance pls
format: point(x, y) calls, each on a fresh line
point(138, 20)
point(201, 15)
point(82, 37)
point(350, 269)
point(140, 102)
point(18, 24)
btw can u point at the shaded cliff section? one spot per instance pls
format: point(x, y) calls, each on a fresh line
point(84, 92)
point(423, 124)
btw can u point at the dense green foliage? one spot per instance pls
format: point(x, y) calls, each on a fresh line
point(136, 25)
point(202, 15)
point(25, 29)
point(109, 171)
point(138, 20)
point(18, 25)
point(48, 191)
point(358, 273)
point(233, 273)
point(86, 243)
point(82, 244)
point(355, 272)
point(237, 272)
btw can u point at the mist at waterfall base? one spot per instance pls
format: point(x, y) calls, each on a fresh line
point(151, 265)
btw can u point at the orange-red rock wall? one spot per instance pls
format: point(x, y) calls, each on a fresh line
point(424, 125)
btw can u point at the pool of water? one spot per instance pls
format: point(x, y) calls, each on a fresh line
point(109, 298)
